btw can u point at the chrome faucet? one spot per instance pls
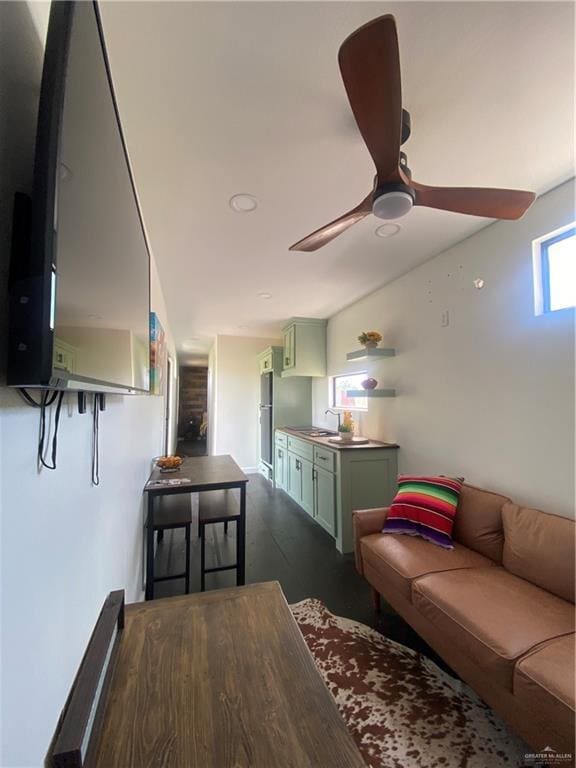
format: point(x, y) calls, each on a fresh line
point(335, 413)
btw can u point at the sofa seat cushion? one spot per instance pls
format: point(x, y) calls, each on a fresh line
point(400, 559)
point(544, 681)
point(492, 616)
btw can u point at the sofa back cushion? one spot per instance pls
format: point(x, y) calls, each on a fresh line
point(478, 522)
point(539, 547)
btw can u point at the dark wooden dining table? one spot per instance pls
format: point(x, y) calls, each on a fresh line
point(196, 474)
point(221, 679)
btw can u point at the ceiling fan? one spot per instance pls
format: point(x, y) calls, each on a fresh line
point(370, 67)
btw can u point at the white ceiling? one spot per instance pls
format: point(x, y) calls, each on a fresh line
point(228, 97)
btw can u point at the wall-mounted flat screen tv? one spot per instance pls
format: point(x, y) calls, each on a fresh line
point(80, 269)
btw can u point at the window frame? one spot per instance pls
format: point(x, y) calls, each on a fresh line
point(332, 398)
point(541, 267)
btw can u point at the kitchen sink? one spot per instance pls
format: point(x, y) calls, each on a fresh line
point(317, 432)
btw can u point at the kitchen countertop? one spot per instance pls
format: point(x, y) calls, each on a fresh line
point(325, 441)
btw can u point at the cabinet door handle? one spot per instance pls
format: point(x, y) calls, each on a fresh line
point(322, 457)
point(286, 361)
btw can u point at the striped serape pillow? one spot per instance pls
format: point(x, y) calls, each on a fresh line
point(425, 506)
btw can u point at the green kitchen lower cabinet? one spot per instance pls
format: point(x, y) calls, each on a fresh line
point(300, 485)
point(280, 466)
point(366, 479)
point(336, 482)
point(307, 499)
point(325, 499)
point(293, 478)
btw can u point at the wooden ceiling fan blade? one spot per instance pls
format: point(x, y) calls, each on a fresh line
point(330, 231)
point(370, 65)
point(492, 203)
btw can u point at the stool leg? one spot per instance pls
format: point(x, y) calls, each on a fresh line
point(241, 540)
point(226, 526)
point(188, 558)
point(202, 558)
point(240, 552)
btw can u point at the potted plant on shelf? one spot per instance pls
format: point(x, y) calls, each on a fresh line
point(370, 339)
point(346, 428)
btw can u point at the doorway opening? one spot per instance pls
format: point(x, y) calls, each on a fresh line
point(169, 409)
point(193, 411)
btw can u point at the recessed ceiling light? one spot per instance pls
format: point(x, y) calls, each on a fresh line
point(387, 230)
point(264, 295)
point(243, 203)
point(478, 283)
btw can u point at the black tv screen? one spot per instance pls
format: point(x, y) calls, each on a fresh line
point(80, 293)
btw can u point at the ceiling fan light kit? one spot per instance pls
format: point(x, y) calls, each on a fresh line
point(370, 66)
point(393, 201)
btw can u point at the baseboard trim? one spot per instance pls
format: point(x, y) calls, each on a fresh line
point(250, 470)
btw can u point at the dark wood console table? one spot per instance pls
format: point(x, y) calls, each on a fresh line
point(221, 679)
point(202, 473)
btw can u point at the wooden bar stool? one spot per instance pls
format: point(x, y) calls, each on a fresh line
point(222, 507)
point(174, 511)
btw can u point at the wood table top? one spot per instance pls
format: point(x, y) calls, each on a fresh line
point(202, 472)
point(221, 679)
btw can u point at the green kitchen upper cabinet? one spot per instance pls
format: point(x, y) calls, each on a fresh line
point(270, 360)
point(307, 481)
point(325, 499)
point(304, 351)
point(289, 358)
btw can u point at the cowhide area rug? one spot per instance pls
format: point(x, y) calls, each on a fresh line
point(402, 710)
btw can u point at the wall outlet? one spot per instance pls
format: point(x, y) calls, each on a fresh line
point(445, 319)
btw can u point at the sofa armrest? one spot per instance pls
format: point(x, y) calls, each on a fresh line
point(365, 522)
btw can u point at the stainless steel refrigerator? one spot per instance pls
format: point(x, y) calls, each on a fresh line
point(266, 405)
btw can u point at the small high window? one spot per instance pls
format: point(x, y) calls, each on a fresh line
point(340, 387)
point(554, 258)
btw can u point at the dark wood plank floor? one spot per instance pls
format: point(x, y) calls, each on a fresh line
point(283, 544)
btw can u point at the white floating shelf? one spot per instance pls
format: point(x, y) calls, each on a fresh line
point(371, 392)
point(362, 354)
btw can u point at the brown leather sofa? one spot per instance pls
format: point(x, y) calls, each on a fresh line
point(498, 608)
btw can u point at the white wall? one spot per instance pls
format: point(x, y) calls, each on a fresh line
point(64, 544)
point(236, 380)
point(491, 396)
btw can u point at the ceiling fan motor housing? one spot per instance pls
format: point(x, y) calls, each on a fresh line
point(392, 201)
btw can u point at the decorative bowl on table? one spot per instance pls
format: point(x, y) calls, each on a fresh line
point(169, 463)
